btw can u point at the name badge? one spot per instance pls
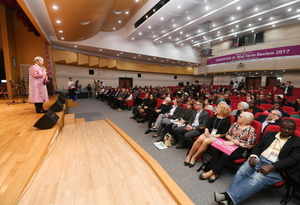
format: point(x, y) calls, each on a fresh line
point(273, 157)
point(214, 131)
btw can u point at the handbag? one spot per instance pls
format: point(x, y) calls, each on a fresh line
point(168, 139)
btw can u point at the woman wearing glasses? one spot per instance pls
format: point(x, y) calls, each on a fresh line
point(241, 134)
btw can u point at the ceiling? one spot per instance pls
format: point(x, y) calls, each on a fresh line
point(193, 23)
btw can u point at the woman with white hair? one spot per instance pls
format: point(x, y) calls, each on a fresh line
point(241, 134)
point(37, 84)
point(242, 106)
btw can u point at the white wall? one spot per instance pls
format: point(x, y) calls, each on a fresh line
point(111, 77)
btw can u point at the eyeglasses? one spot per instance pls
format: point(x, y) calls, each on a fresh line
point(240, 116)
point(197, 104)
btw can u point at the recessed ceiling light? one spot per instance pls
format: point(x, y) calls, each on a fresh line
point(139, 55)
point(114, 28)
point(256, 9)
point(214, 25)
point(271, 18)
point(259, 19)
point(273, 25)
point(149, 27)
point(163, 31)
point(160, 42)
point(134, 57)
point(237, 26)
point(238, 8)
point(117, 11)
point(127, 12)
point(178, 7)
point(298, 10)
point(252, 31)
point(249, 24)
point(154, 36)
point(100, 49)
point(119, 21)
point(58, 21)
point(60, 31)
point(232, 18)
point(75, 46)
point(136, 0)
point(117, 54)
point(132, 38)
point(289, 9)
point(54, 7)
point(84, 23)
point(62, 38)
point(174, 25)
point(140, 33)
point(235, 35)
point(161, 18)
point(146, 16)
point(121, 52)
point(181, 32)
point(207, 8)
point(188, 17)
point(170, 37)
point(218, 31)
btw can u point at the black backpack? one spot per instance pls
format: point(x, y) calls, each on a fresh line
point(206, 162)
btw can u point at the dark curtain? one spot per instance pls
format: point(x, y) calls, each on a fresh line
point(20, 14)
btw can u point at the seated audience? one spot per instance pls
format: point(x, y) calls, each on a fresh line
point(242, 106)
point(124, 99)
point(252, 107)
point(135, 109)
point(242, 134)
point(165, 107)
point(218, 127)
point(277, 106)
point(180, 121)
point(166, 118)
point(261, 100)
point(273, 166)
point(149, 105)
point(194, 128)
point(89, 89)
point(296, 116)
point(272, 119)
point(207, 104)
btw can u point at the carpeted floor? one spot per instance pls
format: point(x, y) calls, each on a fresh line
point(171, 159)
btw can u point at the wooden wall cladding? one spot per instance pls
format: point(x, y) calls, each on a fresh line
point(67, 57)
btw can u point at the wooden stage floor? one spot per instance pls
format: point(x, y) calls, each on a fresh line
point(84, 163)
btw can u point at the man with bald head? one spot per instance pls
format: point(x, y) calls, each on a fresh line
point(277, 152)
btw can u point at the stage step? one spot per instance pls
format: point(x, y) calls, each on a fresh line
point(79, 120)
point(69, 119)
point(72, 103)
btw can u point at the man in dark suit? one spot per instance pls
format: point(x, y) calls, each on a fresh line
point(253, 108)
point(199, 118)
point(276, 152)
point(272, 119)
point(288, 88)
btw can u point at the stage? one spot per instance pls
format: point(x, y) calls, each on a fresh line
point(84, 163)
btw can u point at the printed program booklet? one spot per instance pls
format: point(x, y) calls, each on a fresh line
point(160, 145)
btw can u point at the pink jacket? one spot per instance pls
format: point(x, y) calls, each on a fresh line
point(37, 90)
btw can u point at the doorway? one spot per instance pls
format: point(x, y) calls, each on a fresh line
point(271, 81)
point(253, 81)
point(125, 82)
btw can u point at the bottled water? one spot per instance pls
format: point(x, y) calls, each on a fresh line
point(257, 163)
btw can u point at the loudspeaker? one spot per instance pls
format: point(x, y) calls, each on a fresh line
point(91, 72)
point(175, 76)
point(47, 121)
point(139, 75)
point(57, 106)
point(62, 98)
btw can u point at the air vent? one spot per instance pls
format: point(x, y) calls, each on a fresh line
point(84, 23)
point(117, 11)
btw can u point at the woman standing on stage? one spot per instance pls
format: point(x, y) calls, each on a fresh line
point(37, 84)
